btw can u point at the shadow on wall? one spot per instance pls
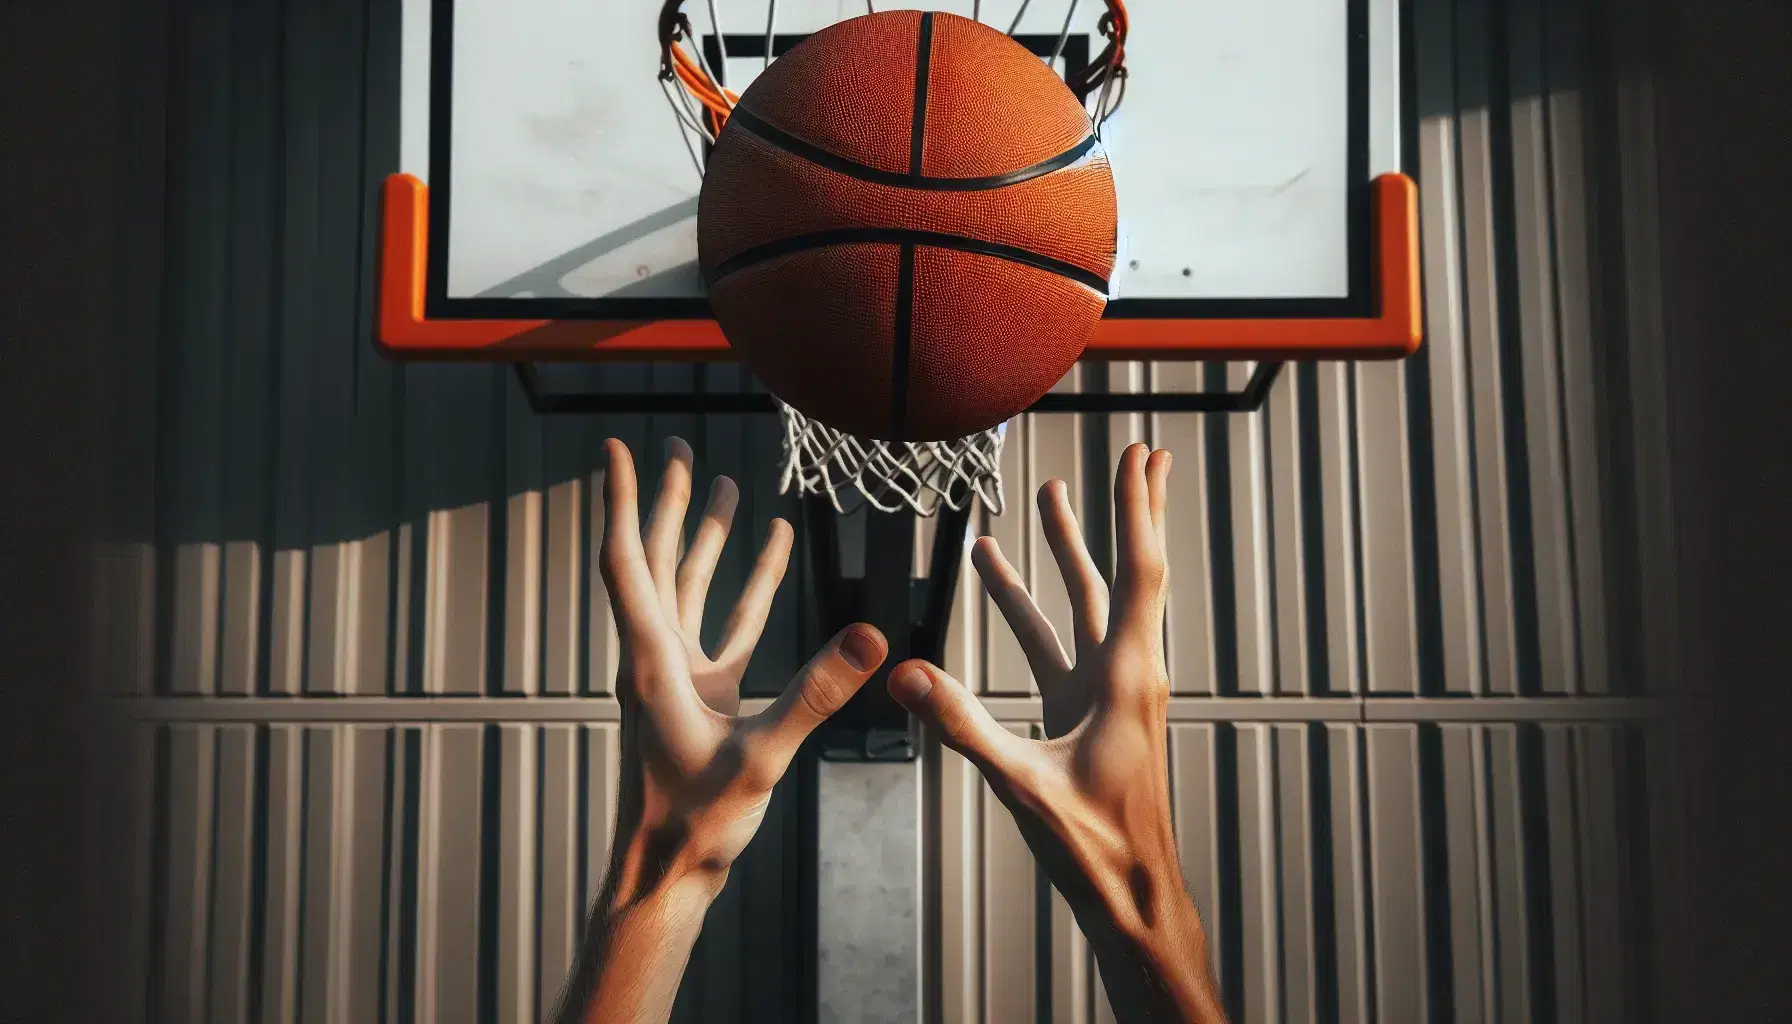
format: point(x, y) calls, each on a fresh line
point(279, 471)
point(359, 500)
point(286, 500)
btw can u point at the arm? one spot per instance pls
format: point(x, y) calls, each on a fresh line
point(637, 944)
point(695, 777)
point(644, 922)
point(1093, 799)
point(1159, 973)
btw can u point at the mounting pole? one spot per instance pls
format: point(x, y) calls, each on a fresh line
point(869, 896)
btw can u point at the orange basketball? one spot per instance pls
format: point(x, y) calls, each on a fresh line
point(907, 227)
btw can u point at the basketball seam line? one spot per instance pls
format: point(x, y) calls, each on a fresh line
point(903, 236)
point(905, 267)
point(904, 337)
point(917, 143)
point(780, 139)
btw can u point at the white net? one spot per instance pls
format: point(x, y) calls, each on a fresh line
point(919, 476)
point(701, 99)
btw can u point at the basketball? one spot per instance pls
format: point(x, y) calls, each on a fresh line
point(907, 226)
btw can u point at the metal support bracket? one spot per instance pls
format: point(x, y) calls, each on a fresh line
point(545, 401)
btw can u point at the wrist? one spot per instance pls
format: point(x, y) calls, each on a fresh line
point(660, 867)
point(674, 908)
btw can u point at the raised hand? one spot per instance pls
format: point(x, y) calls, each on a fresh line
point(695, 778)
point(1093, 798)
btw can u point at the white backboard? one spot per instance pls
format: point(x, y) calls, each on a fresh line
point(1242, 154)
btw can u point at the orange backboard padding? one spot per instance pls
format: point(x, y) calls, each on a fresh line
point(406, 333)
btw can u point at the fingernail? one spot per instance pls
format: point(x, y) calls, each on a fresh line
point(859, 650)
point(910, 684)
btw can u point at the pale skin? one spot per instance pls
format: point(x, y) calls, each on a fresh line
point(1092, 799)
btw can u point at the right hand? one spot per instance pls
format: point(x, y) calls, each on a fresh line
point(1093, 799)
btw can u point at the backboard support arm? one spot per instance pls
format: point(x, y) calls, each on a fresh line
point(543, 400)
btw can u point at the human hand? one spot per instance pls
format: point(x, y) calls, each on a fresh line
point(1093, 798)
point(695, 778)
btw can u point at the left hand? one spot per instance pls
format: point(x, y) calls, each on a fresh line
point(696, 778)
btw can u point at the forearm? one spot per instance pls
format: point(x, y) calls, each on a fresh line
point(1159, 974)
point(1150, 946)
point(636, 946)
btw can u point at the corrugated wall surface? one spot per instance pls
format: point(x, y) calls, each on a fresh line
point(1412, 634)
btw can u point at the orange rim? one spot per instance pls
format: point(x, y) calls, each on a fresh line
point(405, 332)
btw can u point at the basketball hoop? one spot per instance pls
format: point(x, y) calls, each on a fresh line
point(819, 460)
point(891, 475)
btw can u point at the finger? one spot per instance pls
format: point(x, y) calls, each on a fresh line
point(1138, 560)
point(963, 723)
point(823, 687)
point(1157, 487)
point(747, 621)
point(699, 565)
point(665, 527)
point(1082, 580)
point(1038, 640)
point(621, 561)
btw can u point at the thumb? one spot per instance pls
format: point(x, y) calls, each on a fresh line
point(964, 724)
point(823, 687)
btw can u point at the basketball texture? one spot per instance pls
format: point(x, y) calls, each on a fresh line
point(907, 227)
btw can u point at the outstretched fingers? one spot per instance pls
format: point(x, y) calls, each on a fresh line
point(1157, 487)
point(699, 565)
point(621, 560)
point(1139, 568)
point(747, 621)
point(665, 527)
point(1038, 640)
point(1082, 580)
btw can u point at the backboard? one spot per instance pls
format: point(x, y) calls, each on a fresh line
point(547, 206)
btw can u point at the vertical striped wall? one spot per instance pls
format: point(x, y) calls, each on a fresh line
point(1406, 868)
point(1413, 634)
